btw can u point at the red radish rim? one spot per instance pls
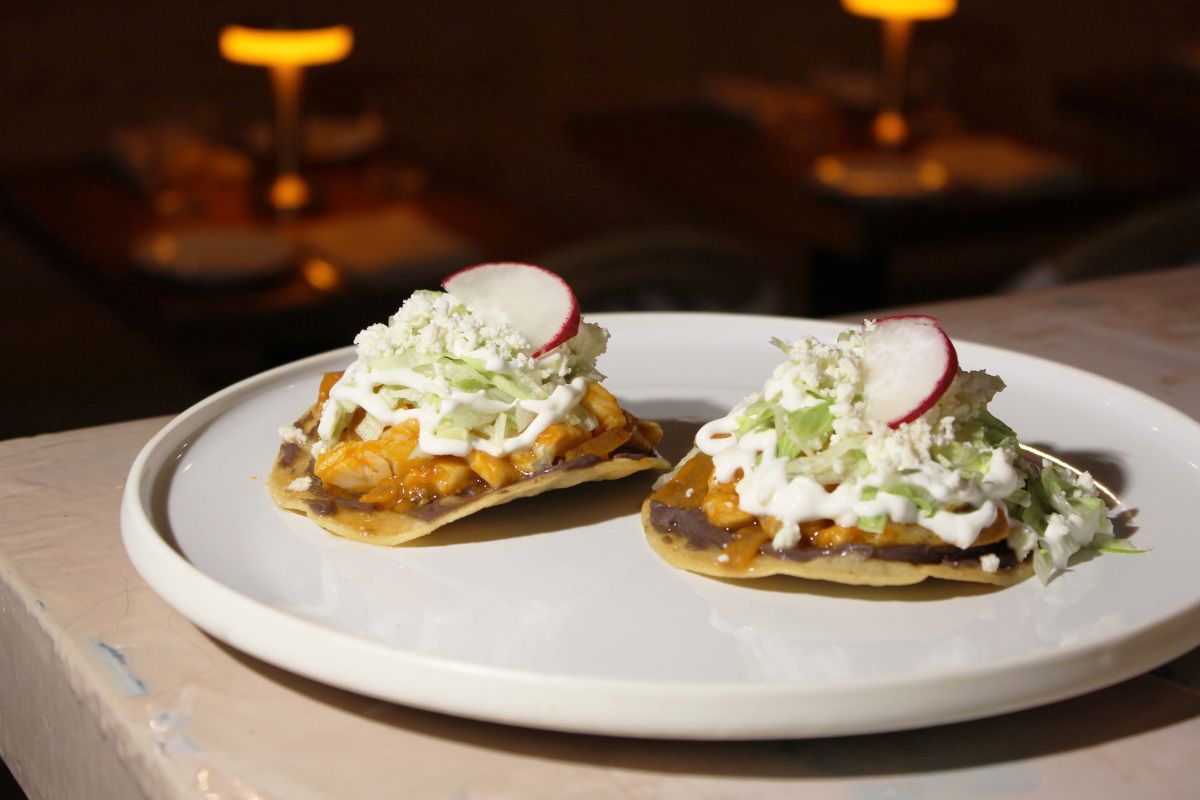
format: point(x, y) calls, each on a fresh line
point(943, 383)
point(937, 323)
point(474, 267)
point(572, 320)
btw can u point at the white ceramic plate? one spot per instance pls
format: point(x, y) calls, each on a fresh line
point(553, 612)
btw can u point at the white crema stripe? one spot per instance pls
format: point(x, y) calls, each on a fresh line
point(899, 459)
point(467, 379)
point(766, 490)
point(357, 388)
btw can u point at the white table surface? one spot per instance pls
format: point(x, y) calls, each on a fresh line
point(106, 692)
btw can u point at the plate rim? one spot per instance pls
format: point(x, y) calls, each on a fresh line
point(270, 633)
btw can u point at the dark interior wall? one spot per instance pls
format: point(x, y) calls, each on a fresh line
point(486, 86)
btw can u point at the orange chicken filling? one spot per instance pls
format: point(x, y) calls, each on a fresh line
point(695, 487)
point(382, 472)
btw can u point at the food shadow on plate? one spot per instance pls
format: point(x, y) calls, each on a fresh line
point(928, 590)
point(1111, 480)
point(554, 510)
point(680, 419)
point(1130, 709)
point(1124, 525)
point(1104, 467)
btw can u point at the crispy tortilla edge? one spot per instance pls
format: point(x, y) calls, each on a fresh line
point(389, 528)
point(859, 572)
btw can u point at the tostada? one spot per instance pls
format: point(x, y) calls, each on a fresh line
point(872, 460)
point(467, 398)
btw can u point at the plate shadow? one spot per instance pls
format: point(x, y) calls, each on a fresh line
point(1133, 708)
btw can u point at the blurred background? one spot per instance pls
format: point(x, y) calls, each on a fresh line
point(168, 227)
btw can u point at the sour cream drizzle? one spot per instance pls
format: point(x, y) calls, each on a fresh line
point(766, 490)
point(434, 332)
point(357, 387)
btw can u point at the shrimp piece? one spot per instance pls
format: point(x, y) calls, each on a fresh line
point(645, 434)
point(441, 475)
point(601, 445)
point(547, 447)
point(690, 484)
point(721, 507)
point(356, 466)
point(496, 471)
point(745, 545)
point(327, 382)
point(421, 480)
point(600, 402)
point(834, 536)
point(407, 431)
point(650, 431)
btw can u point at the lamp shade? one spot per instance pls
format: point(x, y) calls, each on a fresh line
point(268, 47)
point(901, 9)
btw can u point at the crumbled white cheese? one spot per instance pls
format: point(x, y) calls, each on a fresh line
point(689, 492)
point(723, 558)
point(412, 368)
point(990, 562)
point(301, 484)
point(859, 453)
point(1021, 539)
point(437, 323)
point(1057, 537)
point(293, 435)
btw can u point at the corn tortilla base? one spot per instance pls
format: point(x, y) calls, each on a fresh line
point(388, 527)
point(673, 548)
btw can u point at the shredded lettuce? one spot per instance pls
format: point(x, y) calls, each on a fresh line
point(1107, 543)
point(813, 404)
point(874, 524)
point(369, 428)
point(809, 428)
point(756, 417)
point(424, 377)
point(1065, 514)
point(916, 495)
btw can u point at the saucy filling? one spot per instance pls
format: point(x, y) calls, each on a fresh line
point(383, 474)
point(705, 512)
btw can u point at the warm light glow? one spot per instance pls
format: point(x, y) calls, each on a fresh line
point(1076, 471)
point(880, 175)
point(890, 129)
point(289, 192)
point(264, 47)
point(164, 248)
point(320, 274)
point(901, 9)
point(830, 171)
point(932, 175)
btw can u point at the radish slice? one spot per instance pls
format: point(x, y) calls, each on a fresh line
point(537, 303)
point(908, 364)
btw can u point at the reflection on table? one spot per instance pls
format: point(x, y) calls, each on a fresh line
point(180, 244)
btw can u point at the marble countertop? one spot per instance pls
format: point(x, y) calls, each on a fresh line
point(106, 691)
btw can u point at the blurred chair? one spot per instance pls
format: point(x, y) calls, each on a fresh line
point(669, 270)
point(1166, 235)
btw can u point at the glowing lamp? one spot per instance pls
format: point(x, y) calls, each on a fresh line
point(901, 9)
point(888, 172)
point(320, 274)
point(264, 47)
point(285, 53)
point(889, 128)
